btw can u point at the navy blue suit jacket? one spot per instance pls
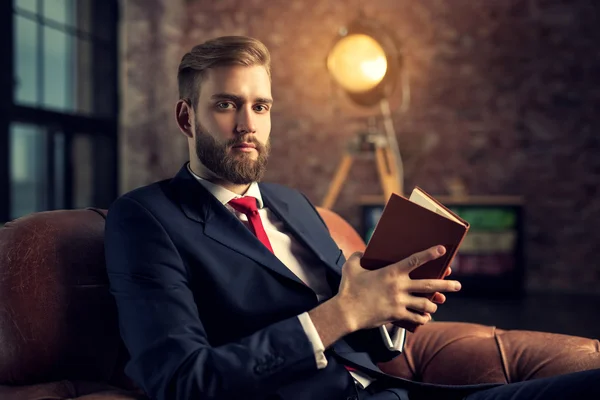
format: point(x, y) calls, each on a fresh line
point(207, 312)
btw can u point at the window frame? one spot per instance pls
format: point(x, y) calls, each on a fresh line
point(69, 124)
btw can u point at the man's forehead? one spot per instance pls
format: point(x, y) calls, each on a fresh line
point(237, 80)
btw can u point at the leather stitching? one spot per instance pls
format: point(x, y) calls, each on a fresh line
point(433, 356)
point(502, 354)
point(97, 211)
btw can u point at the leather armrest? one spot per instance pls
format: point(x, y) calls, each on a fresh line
point(462, 353)
point(72, 390)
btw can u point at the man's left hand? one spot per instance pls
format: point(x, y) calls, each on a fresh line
point(438, 298)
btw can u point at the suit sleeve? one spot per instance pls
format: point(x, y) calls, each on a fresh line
point(369, 340)
point(171, 357)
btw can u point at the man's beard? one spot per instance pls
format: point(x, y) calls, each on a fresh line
point(233, 166)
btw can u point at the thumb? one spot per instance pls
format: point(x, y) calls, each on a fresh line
point(356, 256)
point(353, 261)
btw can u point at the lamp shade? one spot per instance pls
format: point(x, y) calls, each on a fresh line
point(364, 61)
point(357, 62)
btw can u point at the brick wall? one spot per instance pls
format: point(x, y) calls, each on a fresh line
point(151, 148)
point(503, 95)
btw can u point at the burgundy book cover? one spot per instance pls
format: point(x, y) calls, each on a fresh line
point(406, 228)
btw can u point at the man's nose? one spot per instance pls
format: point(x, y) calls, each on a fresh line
point(245, 121)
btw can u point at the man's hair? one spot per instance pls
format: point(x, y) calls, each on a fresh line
point(218, 52)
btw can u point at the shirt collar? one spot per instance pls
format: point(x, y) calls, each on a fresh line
point(222, 194)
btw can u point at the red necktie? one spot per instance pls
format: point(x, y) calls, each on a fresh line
point(247, 205)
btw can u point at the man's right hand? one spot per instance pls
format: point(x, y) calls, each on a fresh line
point(371, 298)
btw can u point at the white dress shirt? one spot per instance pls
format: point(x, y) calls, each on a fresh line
point(300, 261)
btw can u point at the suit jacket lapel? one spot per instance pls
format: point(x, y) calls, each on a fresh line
point(221, 225)
point(297, 225)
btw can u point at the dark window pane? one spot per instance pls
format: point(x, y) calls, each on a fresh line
point(28, 162)
point(84, 16)
point(26, 61)
point(61, 11)
point(28, 5)
point(83, 178)
point(59, 171)
point(104, 26)
point(104, 67)
point(93, 160)
point(58, 64)
point(84, 91)
point(59, 70)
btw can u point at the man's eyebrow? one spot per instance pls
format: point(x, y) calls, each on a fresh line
point(239, 99)
point(263, 100)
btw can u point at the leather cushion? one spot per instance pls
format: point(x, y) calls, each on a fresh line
point(57, 318)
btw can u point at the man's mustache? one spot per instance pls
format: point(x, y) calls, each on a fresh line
point(237, 141)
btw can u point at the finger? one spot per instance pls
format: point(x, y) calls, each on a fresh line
point(352, 263)
point(420, 318)
point(416, 260)
point(433, 285)
point(354, 258)
point(421, 305)
point(439, 298)
point(447, 273)
point(414, 318)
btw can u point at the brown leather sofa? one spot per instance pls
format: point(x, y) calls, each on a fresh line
point(59, 337)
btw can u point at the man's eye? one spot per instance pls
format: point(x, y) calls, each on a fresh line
point(261, 108)
point(224, 106)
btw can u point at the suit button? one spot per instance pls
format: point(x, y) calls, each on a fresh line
point(279, 361)
point(259, 369)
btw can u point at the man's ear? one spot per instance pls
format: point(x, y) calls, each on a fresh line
point(184, 115)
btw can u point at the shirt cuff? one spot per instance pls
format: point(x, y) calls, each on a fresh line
point(315, 339)
point(394, 338)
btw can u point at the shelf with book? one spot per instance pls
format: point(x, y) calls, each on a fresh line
point(490, 261)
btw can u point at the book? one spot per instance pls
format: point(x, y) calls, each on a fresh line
point(408, 226)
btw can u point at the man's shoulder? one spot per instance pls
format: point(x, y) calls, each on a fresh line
point(294, 197)
point(283, 192)
point(146, 195)
point(279, 189)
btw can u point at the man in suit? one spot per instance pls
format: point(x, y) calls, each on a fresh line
point(227, 288)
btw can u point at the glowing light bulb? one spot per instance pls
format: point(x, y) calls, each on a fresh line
point(357, 63)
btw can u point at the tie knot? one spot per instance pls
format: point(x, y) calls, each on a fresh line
point(245, 205)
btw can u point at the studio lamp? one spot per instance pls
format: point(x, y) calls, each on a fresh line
point(358, 63)
point(365, 62)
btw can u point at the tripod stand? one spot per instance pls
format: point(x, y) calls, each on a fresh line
point(387, 160)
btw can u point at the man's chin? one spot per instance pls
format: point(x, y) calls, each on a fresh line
point(245, 159)
point(244, 154)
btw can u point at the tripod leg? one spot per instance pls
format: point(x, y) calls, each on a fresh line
point(338, 180)
point(388, 175)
